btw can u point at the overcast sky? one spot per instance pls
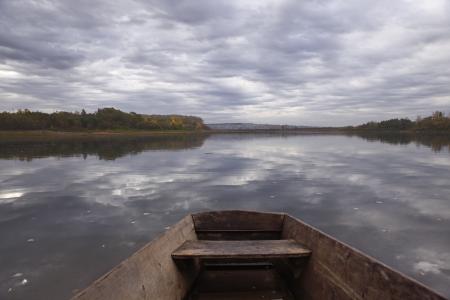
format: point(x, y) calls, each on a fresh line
point(291, 62)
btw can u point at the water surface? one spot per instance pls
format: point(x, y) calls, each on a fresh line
point(71, 210)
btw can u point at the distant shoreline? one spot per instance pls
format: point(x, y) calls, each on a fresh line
point(286, 131)
point(132, 132)
point(336, 130)
point(118, 133)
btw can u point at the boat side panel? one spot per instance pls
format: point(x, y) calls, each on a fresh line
point(337, 271)
point(150, 273)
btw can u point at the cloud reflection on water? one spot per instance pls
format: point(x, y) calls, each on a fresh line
point(76, 208)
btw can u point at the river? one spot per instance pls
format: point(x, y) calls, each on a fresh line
point(72, 209)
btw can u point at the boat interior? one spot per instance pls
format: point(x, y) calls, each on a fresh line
point(241, 257)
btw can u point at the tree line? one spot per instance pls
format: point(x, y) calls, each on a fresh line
point(436, 122)
point(102, 119)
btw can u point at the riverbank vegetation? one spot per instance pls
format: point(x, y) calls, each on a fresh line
point(102, 119)
point(109, 121)
point(437, 122)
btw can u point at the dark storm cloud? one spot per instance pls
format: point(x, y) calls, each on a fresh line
point(300, 62)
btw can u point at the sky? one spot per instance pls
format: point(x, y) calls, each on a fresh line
point(322, 62)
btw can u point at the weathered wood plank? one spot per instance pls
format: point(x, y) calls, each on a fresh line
point(236, 235)
point(238, 220)
point(240, 249)
point(337, 271)
point(148, 274)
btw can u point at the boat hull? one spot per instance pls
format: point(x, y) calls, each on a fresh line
point(334, 270)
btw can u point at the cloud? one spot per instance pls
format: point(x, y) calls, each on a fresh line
point(309, 62)
point(434, 262)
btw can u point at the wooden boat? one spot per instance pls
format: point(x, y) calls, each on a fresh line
point(251, 255)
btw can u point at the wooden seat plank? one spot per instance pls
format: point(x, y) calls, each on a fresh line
point(240, 249)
